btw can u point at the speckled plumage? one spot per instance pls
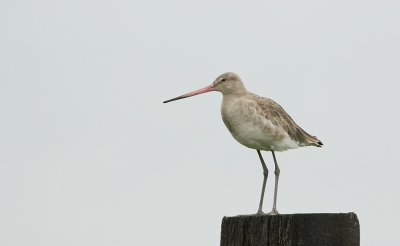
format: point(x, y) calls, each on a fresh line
point(256, 122)
point(260, 123)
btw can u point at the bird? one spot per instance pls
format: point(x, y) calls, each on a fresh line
point(258, 123)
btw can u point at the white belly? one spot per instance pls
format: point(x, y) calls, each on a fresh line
point(252, 129)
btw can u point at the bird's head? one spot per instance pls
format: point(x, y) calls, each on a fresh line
point(226, 83)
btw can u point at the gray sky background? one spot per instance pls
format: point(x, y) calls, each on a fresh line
point(90, 156)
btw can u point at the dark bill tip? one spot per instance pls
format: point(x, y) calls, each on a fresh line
point(174, 99)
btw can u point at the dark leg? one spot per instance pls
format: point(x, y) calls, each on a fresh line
point(265, 169)
point(277, 171)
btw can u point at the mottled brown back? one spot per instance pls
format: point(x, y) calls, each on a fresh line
point(278, 116)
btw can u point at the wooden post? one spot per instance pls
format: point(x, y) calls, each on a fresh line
point(291, 229)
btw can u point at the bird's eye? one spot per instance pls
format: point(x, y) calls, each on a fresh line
point(222, 80)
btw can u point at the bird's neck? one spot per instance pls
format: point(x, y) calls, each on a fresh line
point(235, 89)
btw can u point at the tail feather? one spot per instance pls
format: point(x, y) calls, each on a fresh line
point(312, 140)
point(318, 144)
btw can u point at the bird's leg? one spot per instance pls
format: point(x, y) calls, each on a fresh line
point(265, 171)
point(277, 171)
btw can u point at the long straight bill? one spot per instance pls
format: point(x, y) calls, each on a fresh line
point(193, 93)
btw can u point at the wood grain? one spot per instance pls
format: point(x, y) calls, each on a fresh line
point(291, 229)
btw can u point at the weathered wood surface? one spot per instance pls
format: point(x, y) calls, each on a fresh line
point(291, 229)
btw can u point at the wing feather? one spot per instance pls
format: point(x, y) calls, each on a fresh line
point(278, 116)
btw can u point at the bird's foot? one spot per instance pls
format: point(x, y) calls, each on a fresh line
point(273, 212)
point(260, 212)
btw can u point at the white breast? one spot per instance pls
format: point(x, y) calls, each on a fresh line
point(248, 126)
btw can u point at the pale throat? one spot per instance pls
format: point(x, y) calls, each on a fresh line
point(234, 90)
